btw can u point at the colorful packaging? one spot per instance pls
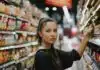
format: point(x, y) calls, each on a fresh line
point(7, 10)
point(2, 7)
point(11, 23)
point(24, 25)
point(18, 24)
point(17, 11)
point(3, 21)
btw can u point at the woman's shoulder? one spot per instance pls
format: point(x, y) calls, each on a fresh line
point(41, 52)
point(72, 54)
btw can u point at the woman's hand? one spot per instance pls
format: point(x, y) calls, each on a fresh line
point(89, 32)
point(88, 35)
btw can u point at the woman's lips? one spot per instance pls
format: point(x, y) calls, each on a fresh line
point(53, 39)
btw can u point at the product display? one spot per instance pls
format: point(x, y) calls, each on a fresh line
point(18, 26)
point(17, 35)
point(3, 21)
point(18, 30)
point(89, 13)
point(4, 56)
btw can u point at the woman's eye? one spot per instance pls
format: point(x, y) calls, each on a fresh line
point(48, 30)
point(55, 30)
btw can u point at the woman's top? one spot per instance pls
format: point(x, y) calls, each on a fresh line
point(48, 59)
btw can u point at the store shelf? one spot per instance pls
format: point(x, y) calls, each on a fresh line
point(7, 64)
point(11, 2)
point(18, 61)
point(25, 58)
point(96, 41)
point(89, 12)
point(23, 19)
point(17, 20)
point(14, 32)
point(91, 62)
point(7, 32)
point(94, 44)
point(29, 33)
point(18, 46)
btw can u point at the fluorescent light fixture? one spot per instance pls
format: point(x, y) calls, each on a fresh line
point(54, 8)
point(46, 8)
point(66, 13)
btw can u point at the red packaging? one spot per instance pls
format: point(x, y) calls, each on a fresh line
point(24, 25)
point(97, 56)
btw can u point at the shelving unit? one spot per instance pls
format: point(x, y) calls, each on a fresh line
point(17, 61)
point(89, 13)
point(94, 44)
point(17, 34)
point(18, 46)
point(91, 63)
point(31, 54)
point(18, 26)
point(28, 33)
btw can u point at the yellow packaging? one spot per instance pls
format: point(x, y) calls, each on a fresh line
point(7, 10)
point(2, 7)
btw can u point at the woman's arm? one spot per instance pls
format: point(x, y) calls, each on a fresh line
point(84, 42)
point(83, 45)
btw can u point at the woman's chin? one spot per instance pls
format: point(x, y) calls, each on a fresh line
point(52, 42)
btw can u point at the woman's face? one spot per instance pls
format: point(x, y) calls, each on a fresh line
point(49, 32)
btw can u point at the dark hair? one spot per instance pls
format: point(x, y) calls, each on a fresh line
point(43, 22)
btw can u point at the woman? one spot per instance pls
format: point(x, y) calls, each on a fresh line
point(49, 58)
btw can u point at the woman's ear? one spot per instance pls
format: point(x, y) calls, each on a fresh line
point(40, 34)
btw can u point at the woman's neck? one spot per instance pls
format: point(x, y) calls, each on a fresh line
point(46, 45)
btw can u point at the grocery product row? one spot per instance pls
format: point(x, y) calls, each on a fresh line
point(91, 63)
point(89, 13)
point(25, 63)
point(9, 39)
point(12, 23)
point(18, 25)
point(11, 56)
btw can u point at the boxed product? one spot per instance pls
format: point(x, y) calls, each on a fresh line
point(2, 40)
point(10, 39)
point(4, 56)
point(16, 1)
point(18, 24)
point(12, 10)
point(2, 7)
point(24, 25)
point(3, 21)
point(17, 11)
point(7, 9)
point(21, 39)
point(11, 25)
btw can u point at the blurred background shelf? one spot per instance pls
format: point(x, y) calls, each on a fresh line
point(18, 46)
point(17, 61)
point(92, 64)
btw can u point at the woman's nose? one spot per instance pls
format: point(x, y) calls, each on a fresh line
point(53, 34)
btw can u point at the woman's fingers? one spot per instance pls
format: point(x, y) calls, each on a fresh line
point(90, 31)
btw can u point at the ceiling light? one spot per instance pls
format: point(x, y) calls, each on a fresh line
point(47, 9)
point(54, 8)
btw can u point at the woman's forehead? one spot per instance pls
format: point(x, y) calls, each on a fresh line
point(50, 24)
